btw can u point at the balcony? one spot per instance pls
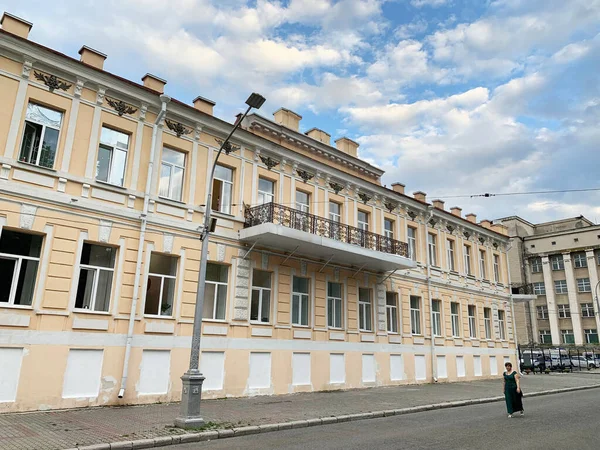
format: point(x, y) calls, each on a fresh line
point(292, 230)
point(523, 293)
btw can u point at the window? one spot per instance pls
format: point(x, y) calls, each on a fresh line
point(591, 336)
point(364, 309)
point(501, 322)
point(496, 268)
point(334, 305)
point(567, 336)
point(215, 292)
point(539, 288)
point(587, 310)
point(431, 246)
point(300, 301)
point(335, 212)
point(302, 201)
point(450, 254)
point(487, 321)
point(260, 309)
point(482, 263)
point(455, 318)
point(583, 285)
point(564, 311)
point(536, 265)
point(112, 157)
point(266, 191)
point(545, 337)
point(388, 228)
point(472, 312)
point(222, 189)
point(172, 171)
point(557, 262)
point(415, 315)
point(436, 310)
point(363, 220)
point(580, 260)
point(560, 286)
point(19, 261)
point(40, 135)
point(542, 312)
point(467, 257)
point(391, 308)
point(412, 243)
point(96, 269)
point(160, 290)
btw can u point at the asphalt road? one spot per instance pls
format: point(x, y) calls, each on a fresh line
point(563, 421)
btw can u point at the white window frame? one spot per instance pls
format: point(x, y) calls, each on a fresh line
point(487, 321)
point(160, 295)
point(472, 321)
point(112, 150)
point(216, 297)
point(564, 311)
point(265, 197)
point(589, 332)
point(482, 255)
point(223, 208)
point(583, 285)
point(558, 262)
point(365, 310)
point(302, 298)
point(564, 334)
point(450, 255)
point(412, 242)
point(455, 320)
point(43, 133)
point(536, 265)
point(388, 232)
point(392, 311)
point(333, 216)
point(96, 270)
point(173, 166)
point(542, 312)
point(496, 268)
point(261, 290)
point(303, 207)
point(579, 260)
point(543, 334)
point(415, 317)
point(560, 287)
point(436, 328)
point(467, 258)
point(539, 288)
point(362, 224)
point(17, 270)
point(431, 248)
point(587, 310)
point(501, 324)
point(335, 301)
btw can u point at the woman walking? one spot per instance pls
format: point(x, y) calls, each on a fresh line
point(512, 391)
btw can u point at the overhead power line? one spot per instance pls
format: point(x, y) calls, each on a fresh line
point(505, 194)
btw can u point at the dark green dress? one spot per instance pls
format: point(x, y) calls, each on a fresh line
point(512, 397)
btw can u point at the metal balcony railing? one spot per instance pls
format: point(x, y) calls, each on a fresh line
point(303, 221)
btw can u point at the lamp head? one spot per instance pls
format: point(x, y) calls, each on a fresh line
point(255, 100)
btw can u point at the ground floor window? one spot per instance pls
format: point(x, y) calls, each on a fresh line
point(545, 337)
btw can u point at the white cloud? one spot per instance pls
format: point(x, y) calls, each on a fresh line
point(432, 3)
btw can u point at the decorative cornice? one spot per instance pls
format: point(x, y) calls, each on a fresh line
point(178, 128)
point(389, 205)
point(100, 95)
point(52, 81)
point(79, 87)
point(26, 71)
point(120, 106)
point(143, 111)
point(365, 197)
point(306, 176)
point(337, 187)
point(268, 161)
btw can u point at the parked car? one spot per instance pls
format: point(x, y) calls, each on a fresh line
point(562, 361)
point(583, 362)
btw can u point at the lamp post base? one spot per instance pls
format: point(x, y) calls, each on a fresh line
point(189, 414)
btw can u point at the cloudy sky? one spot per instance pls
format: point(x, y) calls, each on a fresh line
point(451, 97)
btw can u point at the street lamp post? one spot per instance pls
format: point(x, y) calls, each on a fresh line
point(189, 414)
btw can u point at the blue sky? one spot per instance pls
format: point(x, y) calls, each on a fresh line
point(450, 97)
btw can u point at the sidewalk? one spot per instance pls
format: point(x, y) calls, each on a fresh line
point(77, 428)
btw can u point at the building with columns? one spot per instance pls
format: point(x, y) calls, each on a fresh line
point(319, 276)
point(554, 267)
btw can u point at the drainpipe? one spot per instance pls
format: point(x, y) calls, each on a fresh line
point(433, 361)
point(138, 266)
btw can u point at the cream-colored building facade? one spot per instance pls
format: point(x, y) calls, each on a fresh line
point(559, 264)
point(319, 277)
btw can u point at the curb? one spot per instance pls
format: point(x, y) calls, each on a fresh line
point(267, 428)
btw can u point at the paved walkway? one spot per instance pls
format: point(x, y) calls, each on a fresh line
point(75, 428)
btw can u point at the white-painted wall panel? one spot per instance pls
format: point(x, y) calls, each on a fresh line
point(10, 371)
point(260, 370)
point(460, 367)
point(212, 366)
point(477, 366)
point(420, 367)
point(442, 368)
point(155, 372)
point(368, 369)
point(396, 368)
point(300, 368)
point(493, 365)
point(83, 372)
point(337, 368)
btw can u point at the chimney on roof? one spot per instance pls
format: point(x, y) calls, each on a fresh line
point(92, 57)
point(486, 224)
point(319, 135)
point(471, 218)
point(499, 228)
point(398, 187)
point(439, 204)
point(287, 118)
point(153, 82)
point(420, 195)
point(15, 25)
point(348, 146)
point(205, 105)
point(456, 211)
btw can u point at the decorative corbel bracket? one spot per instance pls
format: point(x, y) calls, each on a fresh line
point(120, 106)
point(365, 197)
point(337, 187)
point(306, 177)
point(52, 81)
point(389, 205)
point(178, 128)
point(268, 161)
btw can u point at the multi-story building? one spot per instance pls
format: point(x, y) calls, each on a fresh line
point(319, 277)
point(554, 268)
